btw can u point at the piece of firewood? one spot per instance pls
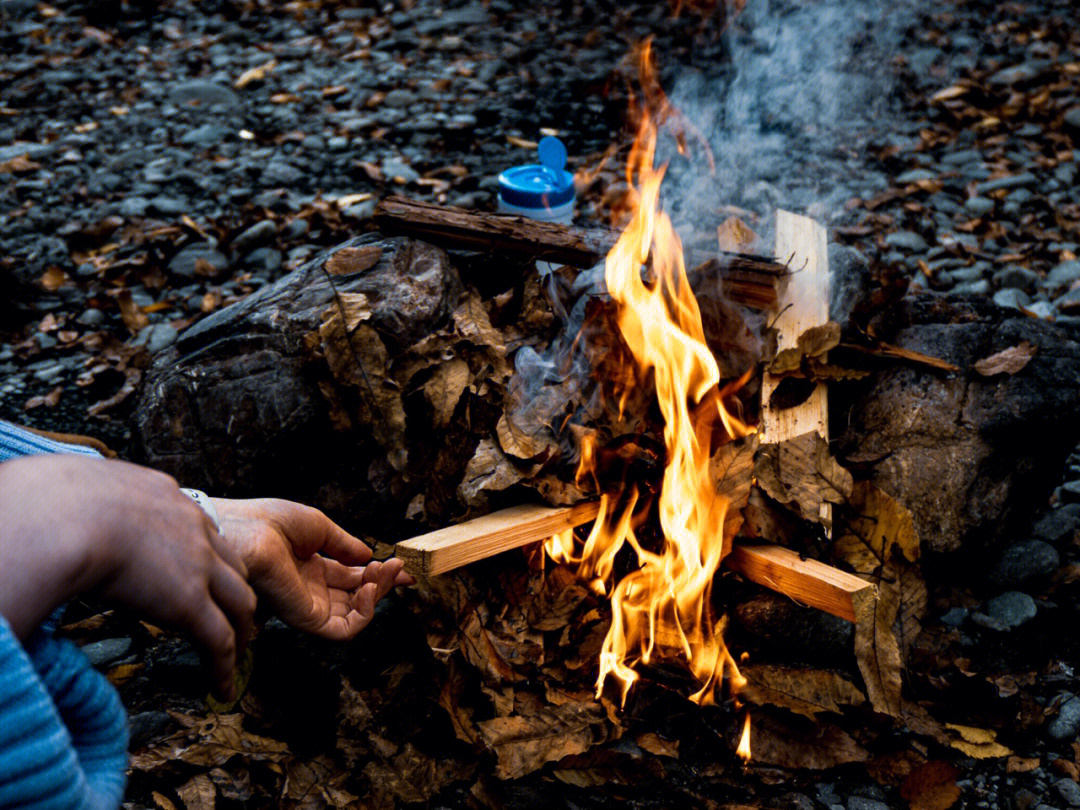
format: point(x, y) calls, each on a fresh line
point(803, 303)
point(809, 582)
point(748, 280)
point(446, 549)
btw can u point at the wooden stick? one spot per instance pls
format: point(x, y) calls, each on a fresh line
point(446, 549)
point(807, 581)
point(748, 280)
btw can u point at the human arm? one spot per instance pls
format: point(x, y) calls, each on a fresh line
point(315, 575)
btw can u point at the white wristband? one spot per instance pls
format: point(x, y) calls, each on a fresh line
point(203, 500)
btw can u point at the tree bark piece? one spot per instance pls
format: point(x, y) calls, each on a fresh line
point(807, 581)
point(454, 546)
point(749, 280)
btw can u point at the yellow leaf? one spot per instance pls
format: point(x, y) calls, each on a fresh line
point(255, 74)
point(979, 743)
point(949, 93)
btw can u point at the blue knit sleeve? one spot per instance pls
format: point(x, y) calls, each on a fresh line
point(48, 692)
point(16, 441)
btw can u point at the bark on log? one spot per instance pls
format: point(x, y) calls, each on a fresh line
point(235, 407)
point(748, 280)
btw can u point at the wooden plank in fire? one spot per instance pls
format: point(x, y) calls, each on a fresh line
point(807, 581)
point(454, 546)
point(803, 303)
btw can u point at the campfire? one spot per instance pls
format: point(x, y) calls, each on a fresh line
point(614, 482)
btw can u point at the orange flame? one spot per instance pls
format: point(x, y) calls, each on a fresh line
point(743, 751)
point(664, 607)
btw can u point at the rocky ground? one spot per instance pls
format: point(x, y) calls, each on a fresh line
point(159, 163)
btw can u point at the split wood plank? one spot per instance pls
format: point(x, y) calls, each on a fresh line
point(803, 303)
point(446, 549)
point(807, 581)
point(747, 279)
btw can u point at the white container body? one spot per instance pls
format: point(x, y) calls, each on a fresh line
point(563, 214)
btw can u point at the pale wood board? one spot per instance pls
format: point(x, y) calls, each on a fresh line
point(803, 303)
point(446, 549)
point(809, 582)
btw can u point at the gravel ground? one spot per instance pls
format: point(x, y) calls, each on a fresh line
point(161, 163)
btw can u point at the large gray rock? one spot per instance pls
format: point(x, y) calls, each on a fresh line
point(237, 405)
point(972, 457)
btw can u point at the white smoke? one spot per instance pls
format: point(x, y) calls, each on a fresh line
point(810, 86)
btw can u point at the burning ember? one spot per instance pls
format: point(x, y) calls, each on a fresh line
point(663, 609)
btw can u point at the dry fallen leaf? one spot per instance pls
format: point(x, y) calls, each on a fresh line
point(353, 259)
point(800, 690)
point(655, 744)
point(255, 74)
point(209, 742)
point(979, 743)
point(877, 528)
point(558, 600)
point(802, 472)
point(801, 744)
point(198, 793)
point(877, 650)
point(18, 165)
point(134, 318)
point(732, 468)
point(1021, 764)
point(536, 443)
point(524, 744)
point(815, 342)
point(1007, 361)
point(444, 388)
point(931, 786)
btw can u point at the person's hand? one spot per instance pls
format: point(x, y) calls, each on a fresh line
point(71, 524)
point(315, 575)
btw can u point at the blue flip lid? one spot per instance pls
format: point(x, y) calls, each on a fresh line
point(539, 185)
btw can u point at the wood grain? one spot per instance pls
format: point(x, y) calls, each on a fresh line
point(446, 549)
point(809, 582)
point(803, 303)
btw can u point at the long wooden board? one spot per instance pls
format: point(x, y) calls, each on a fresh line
point(807, 581)
point(446, 549)
point(803, 303)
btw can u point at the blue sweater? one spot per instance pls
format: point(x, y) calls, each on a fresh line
point(63, 730)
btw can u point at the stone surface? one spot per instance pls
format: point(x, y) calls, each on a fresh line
point(1067, 723)
point(106, 651)
point(971, 456)
point(184, 263)
point(1027, 561)
point(1068, 791)
point(1012, 608)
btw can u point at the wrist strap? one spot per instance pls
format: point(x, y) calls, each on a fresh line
point(203, 500)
